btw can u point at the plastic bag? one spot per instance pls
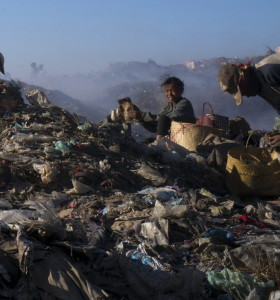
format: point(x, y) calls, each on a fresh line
point(141, 255)
point(151, 174)
point(79, 188)
point(47, 171)
point(62, 146)
point(238, 283)
point(169, 210)
point(156, 231)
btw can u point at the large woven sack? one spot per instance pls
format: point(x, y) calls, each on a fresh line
point(252, 171)
point(191, 135)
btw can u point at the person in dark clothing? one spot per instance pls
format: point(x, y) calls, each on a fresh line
point(177, 109)
point(2, 63)
point(262, 79)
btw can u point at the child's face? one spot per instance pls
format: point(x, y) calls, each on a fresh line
point(172, 92)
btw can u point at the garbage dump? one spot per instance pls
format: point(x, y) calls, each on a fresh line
point(89, 213)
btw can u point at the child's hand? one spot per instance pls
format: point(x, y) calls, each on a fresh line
point(117, 115)
point(274, 139)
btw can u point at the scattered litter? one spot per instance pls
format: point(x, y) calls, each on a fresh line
point(84, 203)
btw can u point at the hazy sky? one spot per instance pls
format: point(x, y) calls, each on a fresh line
point(82, 36)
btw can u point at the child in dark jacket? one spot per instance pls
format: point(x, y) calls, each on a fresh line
point(177, 109)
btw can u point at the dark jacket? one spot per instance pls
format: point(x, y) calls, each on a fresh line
point(179, 112)
point(268, 73)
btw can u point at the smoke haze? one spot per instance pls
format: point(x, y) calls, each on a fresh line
point(97, 93)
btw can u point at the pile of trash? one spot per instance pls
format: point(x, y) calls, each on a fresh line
point(89, 213)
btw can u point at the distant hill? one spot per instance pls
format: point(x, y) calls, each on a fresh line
point(63, 100)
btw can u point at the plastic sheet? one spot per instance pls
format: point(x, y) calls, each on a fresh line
point(238, 283)
point(151, 174)
point(165, 144)
point(169, 210)
point(79, 188)
point(17, 215)
point(25, 137)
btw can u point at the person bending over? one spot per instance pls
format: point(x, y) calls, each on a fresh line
point(262, 79)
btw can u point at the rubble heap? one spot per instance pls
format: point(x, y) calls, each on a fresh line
point(89, 213)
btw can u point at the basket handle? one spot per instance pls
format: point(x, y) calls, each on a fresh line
point(251, 135)
point(212, 111)
point(250, 156)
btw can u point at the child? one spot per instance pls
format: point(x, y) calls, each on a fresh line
point(177, 109)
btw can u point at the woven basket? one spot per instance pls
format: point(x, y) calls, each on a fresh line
point(252, 171)
point(212, 119)
point(189, 135)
